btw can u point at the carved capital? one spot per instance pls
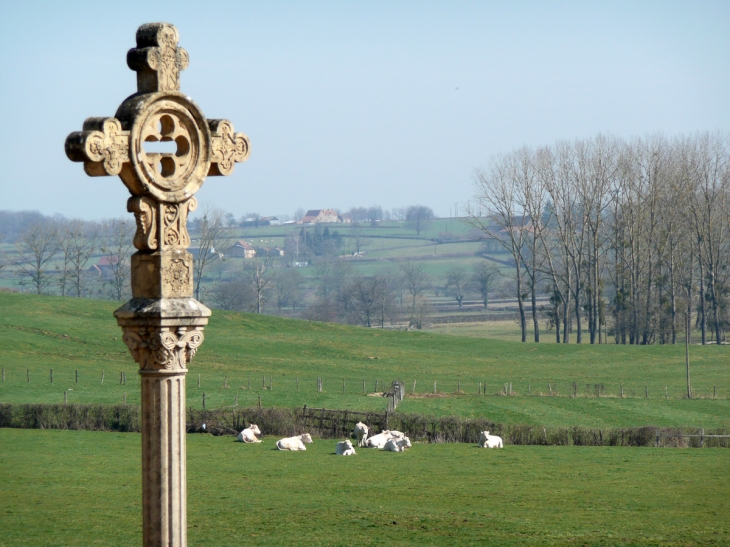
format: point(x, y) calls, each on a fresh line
point(145, 215)
point(163, 349)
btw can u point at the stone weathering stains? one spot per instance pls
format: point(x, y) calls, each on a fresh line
point(162, 324)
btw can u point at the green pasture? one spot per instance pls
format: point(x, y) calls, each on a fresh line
point(40, 333)
point(67, 488)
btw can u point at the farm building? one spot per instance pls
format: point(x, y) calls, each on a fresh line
point(316, 216)
point(242, 249)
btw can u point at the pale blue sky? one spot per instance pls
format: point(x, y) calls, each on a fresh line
point(355, 104)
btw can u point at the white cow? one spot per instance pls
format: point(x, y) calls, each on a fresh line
point(361, 432)
point(379, 440)
point(397, 434)
point(345, 448)
point(490, 441)
point(294, 443)
point(397, 445)
point(248, 435)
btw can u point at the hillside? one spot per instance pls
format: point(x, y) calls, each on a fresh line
point(40, 333)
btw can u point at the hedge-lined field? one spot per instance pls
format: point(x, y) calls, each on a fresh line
point(79, 488)
point(40, 333)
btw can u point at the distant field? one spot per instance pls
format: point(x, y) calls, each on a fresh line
point(65, 334)
point(77, 488)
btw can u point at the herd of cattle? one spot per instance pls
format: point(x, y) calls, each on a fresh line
point(388, 440)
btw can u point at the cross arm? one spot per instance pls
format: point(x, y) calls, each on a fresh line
point(102, 146)
point(227, 147)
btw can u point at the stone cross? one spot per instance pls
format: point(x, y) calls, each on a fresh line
point(163, 323)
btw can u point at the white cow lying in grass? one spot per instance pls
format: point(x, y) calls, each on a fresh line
point(379, 440)
point(345, 448)
point(248, 435)
point(361, 432)
point(490, 441)
point(397, 445)
point(294, 443)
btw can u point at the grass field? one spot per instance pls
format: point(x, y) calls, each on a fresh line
point(66, 334)
point(76, 488)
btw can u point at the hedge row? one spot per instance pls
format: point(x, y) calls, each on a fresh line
point(337, 424)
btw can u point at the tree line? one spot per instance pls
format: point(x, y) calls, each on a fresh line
point(627, 237)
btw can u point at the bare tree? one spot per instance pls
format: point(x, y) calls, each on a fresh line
point(117, 249)
point(456, 283)
point(418, 217)
point(288, 286)
point(34, 251)
point(358, 238)
point(232, 295)
point(483, 280)
point(215, 237)
point(259, 275)
point(78, 241)
point(415, 279)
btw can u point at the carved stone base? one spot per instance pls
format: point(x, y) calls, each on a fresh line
point(164, 274)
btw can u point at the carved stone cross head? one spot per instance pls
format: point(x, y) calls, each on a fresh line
point(158, 112)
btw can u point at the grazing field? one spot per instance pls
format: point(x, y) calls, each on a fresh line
point(67, 488)
point(40, 333)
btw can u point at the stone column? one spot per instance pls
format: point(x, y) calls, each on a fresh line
point(163, 323)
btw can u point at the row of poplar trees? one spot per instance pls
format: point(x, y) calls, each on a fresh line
point(627, 238)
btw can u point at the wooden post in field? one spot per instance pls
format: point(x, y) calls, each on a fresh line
point(236, 401)
point(249, 380)
point(646, 391)
point(124, 398)
point(77, 376)
point(480, 388)
point(413, 392)
point(263, 382)
point(271, 383)
point(666, 392)
point(225, 381)
point(621, 387)
point(434, 386)
point(297, 383)
point(198, 381)
point(343, 386)
point(259, 401)
point(529, 389)
point(121, 377)
point(363, 387)
point(204, 400)
point(458, 388)
point(65, 397)
point(686, 353)
point(550, 388)
point(510, 388)
point(376, 386)
point(27, 374)
point(102, 377)
point(714, 391)
point(51, 375)
point(3, 374)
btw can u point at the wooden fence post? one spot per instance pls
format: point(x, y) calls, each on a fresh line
point(714, 390)
point(65, 397)
point(259, 401)
point(263, 382)
point(102, 377)
point(271, 383)
point(621, 387)
point(3, 374)
point(434, 386)
point(458, 388)
point(480, 388)
point(204, 400)
point(550, 388)
point(666, 392)
point(343, 386)
point(249, 380)
point(414, 388)
point(529, 388)
point(27, 374)
point(646, 391)
point(510, 388)
point(376, 386)
point(198, 381)
point(51, 375)
point(225, 381)
point(121, 377)
point(297, 383)
point(77, 376)
point(124, 399)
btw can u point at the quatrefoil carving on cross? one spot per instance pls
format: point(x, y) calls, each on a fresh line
point(166, 128)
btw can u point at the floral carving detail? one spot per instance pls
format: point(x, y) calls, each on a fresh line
point(177, 276)
point(227, 147)
point(163, 349)
point(175, 221)
point(102, 145)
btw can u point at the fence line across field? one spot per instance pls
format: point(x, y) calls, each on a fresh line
point(350, 385)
